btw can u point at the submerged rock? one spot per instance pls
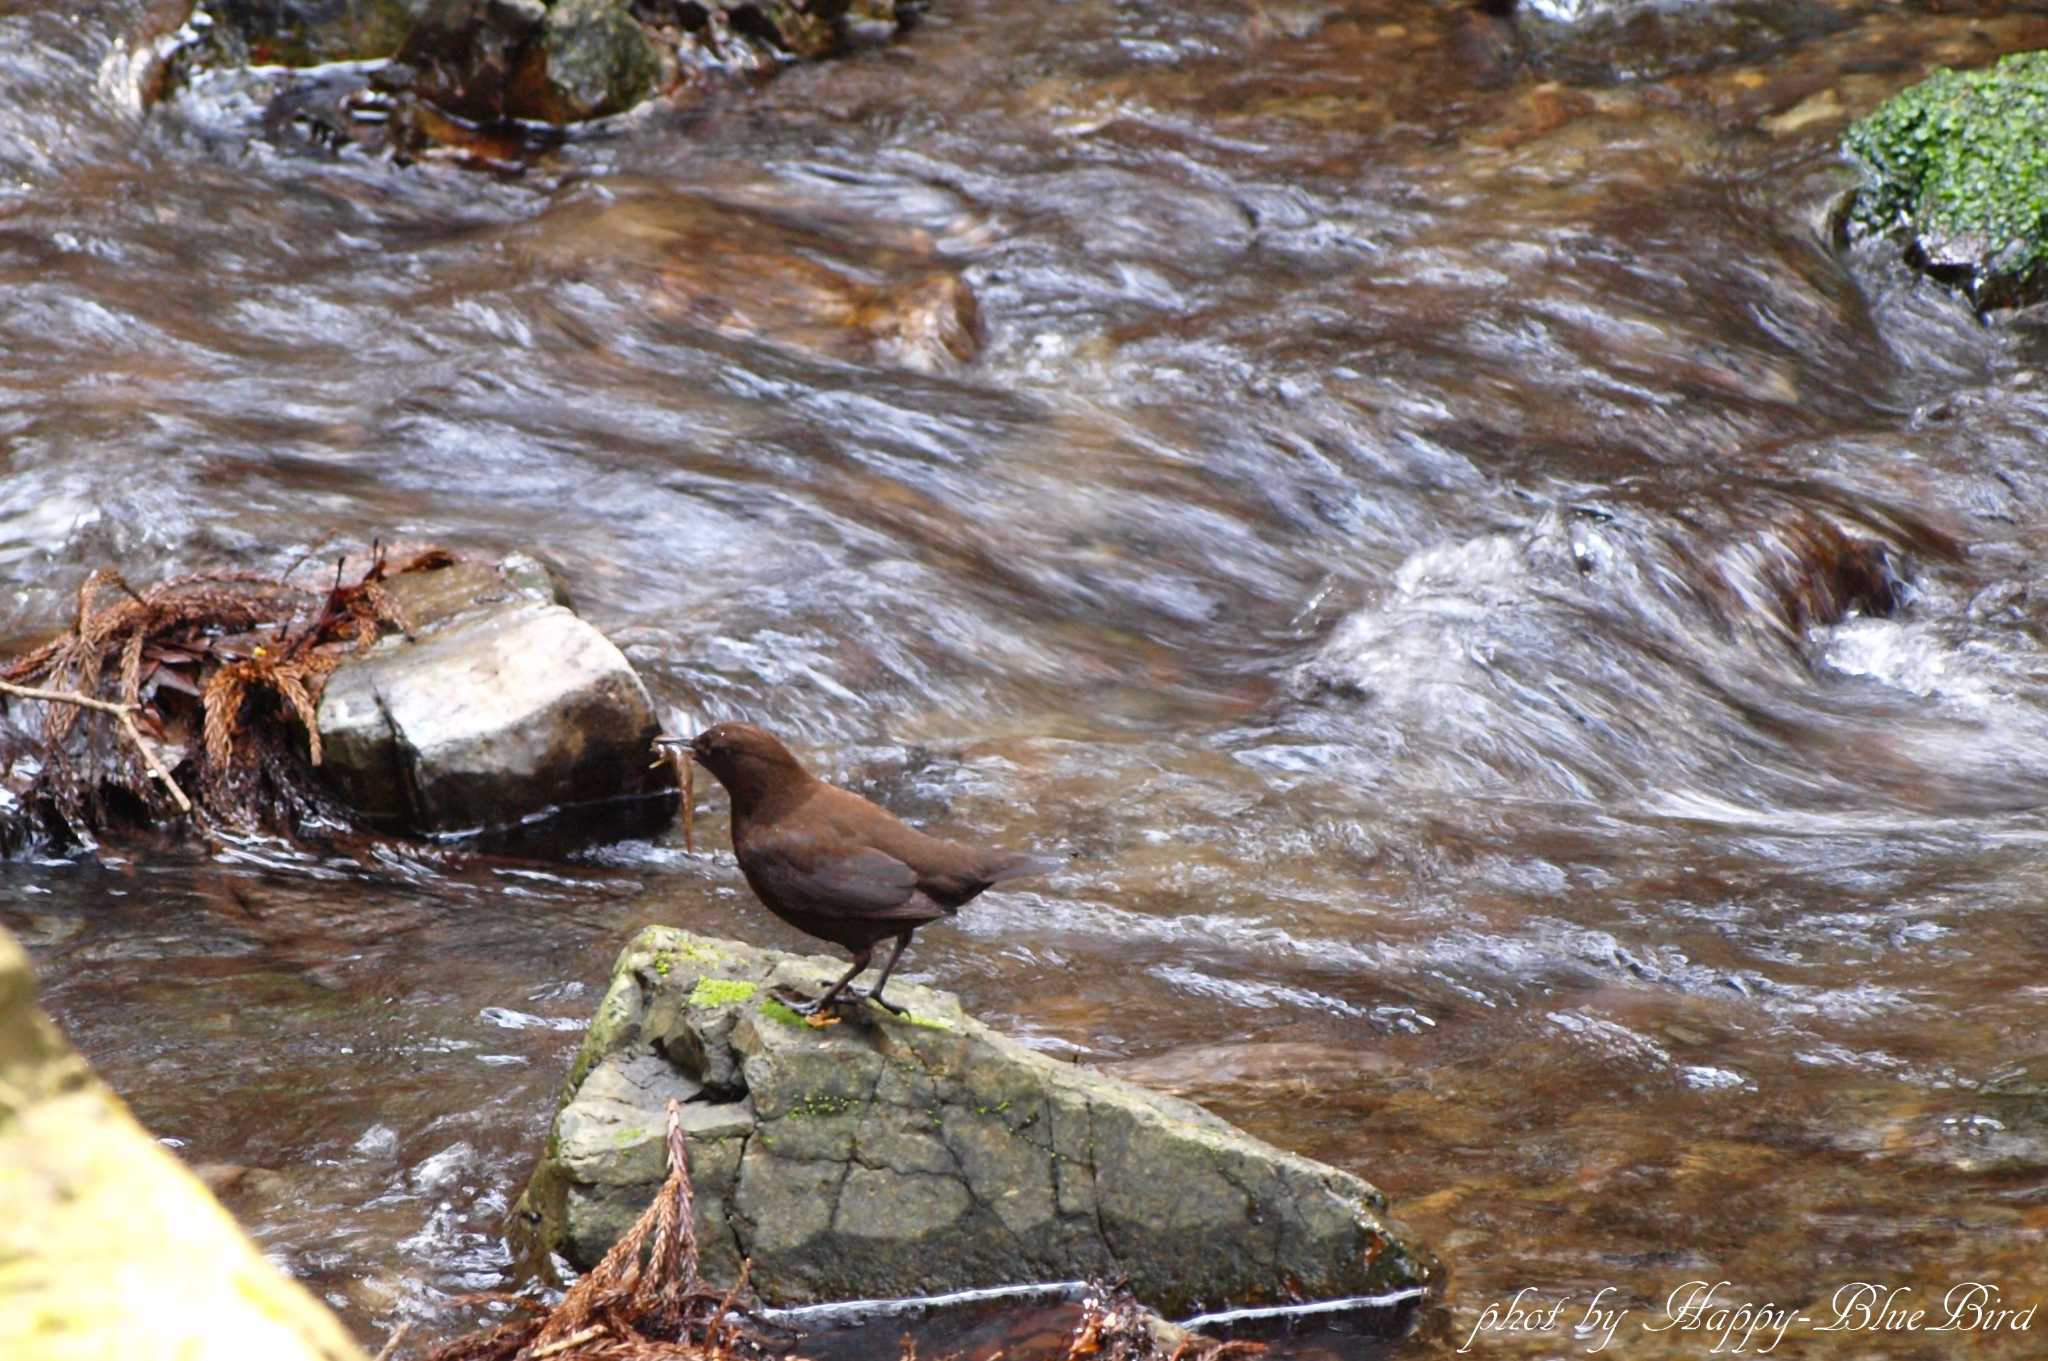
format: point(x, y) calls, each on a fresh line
point(1956, 167)
point(866, 298)
point(1604, 42)
point(890, 1156)
point(111, 1247)
point(499, 705)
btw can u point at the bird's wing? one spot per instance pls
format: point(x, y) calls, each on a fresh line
point(858, 883)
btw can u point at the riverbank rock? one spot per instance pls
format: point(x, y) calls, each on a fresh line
point(591, 59)
point(109, 1246)
point(547, 61)
point(501, 704)
point(1956, 168)
point(307, 32)
point(889, 1156)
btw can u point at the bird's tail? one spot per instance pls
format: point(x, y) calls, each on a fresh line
point(1007, 865)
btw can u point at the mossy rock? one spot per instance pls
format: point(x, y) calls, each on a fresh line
point(1957, 167)
point(592, 59)
point(892, 1155)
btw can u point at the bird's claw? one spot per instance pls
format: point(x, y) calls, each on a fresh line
point(817, 1012)
point(887, 1005)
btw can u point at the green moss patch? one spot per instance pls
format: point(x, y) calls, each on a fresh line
point(928, 1022)
point(720, 992)
point(1963, 154)
point(776, 1010)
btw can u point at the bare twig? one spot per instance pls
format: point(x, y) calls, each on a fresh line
point(123, 712)
point(576, 1339)
point(390, 1347)
point(105, 706)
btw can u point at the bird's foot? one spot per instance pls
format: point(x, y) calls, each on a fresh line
point(818, 1012)
point(887, 1005)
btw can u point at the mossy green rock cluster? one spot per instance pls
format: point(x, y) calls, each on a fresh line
point(108, 1246)
point(888, 1156)
point(1957, 166)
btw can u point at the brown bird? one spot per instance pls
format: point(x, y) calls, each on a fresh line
point(834, 865)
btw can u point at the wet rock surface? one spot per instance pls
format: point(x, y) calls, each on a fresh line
point(591, 59)
point(493, 61)
point(894, 1156)
point(499, 705)
point(757, 33)
point(1621, 41)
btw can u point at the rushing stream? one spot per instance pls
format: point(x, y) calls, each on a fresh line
point(1534, 652)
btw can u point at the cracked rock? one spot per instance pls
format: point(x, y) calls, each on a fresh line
point(499, 706)
point(890, 1157)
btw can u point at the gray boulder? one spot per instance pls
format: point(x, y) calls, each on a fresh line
point(500, 705)
point(885, 1156)
point(593, 59)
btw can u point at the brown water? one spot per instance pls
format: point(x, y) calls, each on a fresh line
point(1537, 658)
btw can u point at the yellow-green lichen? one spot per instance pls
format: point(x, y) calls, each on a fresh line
point(720, 992)
point(776, 1010)
point(821, 1107)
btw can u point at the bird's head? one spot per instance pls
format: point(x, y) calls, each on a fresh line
point(747, 760)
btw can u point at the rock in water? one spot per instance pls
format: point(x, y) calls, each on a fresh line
point(1956, 167)
point(593, 59)
point(502, 705)
point(887, 1157)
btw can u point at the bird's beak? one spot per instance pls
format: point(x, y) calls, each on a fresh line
point(688, 744)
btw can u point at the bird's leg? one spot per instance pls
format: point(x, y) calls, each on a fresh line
point(875, 993)
point(861, 959)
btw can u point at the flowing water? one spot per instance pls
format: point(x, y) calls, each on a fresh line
point(1535, 652)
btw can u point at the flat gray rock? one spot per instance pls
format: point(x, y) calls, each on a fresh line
point(502, 705)
point(889, 1157)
